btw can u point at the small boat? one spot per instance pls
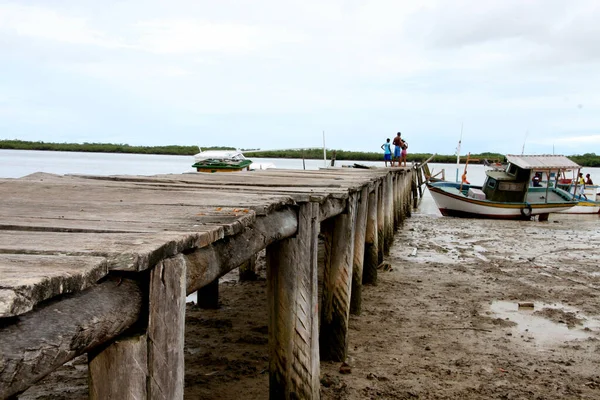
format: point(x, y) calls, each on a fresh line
point(226, 161)
point(506, 194)
point(591, 205)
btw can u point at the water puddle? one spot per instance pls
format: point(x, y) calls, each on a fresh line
point(546, 324)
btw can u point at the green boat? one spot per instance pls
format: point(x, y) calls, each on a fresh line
point(215, 165)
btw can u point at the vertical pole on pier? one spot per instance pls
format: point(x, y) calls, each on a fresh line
point(359, 251)
point(380, 221)
point(293, 311)
point(406, 194)
point(208, 296)
point(371, 260)
point(397, 199)
point(338, 233)
point(166, 329)
point(389, 213)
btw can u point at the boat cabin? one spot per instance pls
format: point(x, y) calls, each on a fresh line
point(512, 184)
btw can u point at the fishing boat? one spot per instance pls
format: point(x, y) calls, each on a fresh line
point(226, 161)
point(506, 194)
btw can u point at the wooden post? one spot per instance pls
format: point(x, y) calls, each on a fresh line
point(359, 251)
point(419, 173)
point(248, 270)
point(380, 222)
point(371, 260)
point(166, 329)
point(208, 296)
point(293, 311)
point(388, 214)
point(120, 370)
point(414, 189)
point(338, 235)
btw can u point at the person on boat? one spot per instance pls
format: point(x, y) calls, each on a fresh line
point(387, 153)
point(464, 179)
point(397, 148)
point(581, 183)
point(536, 180)
point(588, 180)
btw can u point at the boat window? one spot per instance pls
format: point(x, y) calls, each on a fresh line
point(491, 183)
point(512, 169)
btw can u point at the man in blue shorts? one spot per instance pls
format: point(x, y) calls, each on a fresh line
point(397, 148)
point(387, 153)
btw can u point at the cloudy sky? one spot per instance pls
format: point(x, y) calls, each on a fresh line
point(277, 73)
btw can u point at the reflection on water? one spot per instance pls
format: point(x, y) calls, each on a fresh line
point(531, 322)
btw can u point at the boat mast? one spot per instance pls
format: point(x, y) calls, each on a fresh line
point(324, 152)
point(458, 151)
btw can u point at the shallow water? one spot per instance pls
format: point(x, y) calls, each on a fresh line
point(543, 331)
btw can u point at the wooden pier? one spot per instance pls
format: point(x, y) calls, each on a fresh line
point(102, 265)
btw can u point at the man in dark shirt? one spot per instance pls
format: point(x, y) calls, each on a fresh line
point(397, 148)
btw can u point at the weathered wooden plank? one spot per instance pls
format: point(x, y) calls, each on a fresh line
point(36, 343)
point(380, 222)
point(166, 329)
point(338, 233)
point(120, 370)
point(26, 280)
point(388, 208)
point(123, 251)
point(371, 240)
point(359, 251)
point(293, 311)
point(213, 261)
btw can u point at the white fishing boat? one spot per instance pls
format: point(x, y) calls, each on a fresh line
point(226, 161)
point(506, 194)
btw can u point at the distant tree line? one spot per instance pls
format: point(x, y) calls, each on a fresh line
point(586, 160)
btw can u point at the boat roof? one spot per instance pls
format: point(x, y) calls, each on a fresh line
point(542, 162)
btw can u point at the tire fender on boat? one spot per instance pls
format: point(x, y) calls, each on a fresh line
point(526, 211)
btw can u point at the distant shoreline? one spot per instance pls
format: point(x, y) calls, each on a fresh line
point(586, 160)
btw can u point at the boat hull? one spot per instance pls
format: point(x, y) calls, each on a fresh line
point(459, 205)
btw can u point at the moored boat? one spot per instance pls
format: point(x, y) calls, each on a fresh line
point(226, 161)
point(506, 194)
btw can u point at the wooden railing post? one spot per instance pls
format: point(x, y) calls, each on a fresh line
point(380, 221)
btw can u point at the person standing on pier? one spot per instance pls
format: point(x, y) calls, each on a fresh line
point(397, 148)
point(387, 153)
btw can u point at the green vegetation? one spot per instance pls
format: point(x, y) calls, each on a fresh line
point(99, 147)
point(586, 160)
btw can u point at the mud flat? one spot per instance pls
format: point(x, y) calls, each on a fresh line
point(443, 323)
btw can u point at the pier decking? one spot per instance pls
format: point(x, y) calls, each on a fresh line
point(102, 265)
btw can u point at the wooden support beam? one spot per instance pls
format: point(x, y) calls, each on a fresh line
point(119, 370)
point(419, 173)
point(371, 260)
point(42, 340)
point(208, 296)
point(359, 251)
point(166, 329)
point(338, 233)
point(413, 185)
point(211, 262)
point(380, 222)
point(293, 311)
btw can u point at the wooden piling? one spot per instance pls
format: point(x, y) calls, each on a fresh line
point(380, 221)
point(371, 260)
point(119, 371)
point(166, 329)
point(359, 251)
point(293, 311)
point(338, 233)
point(388, 209)
point(248, 270)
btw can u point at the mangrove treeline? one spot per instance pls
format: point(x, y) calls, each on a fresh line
point(587, 160)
